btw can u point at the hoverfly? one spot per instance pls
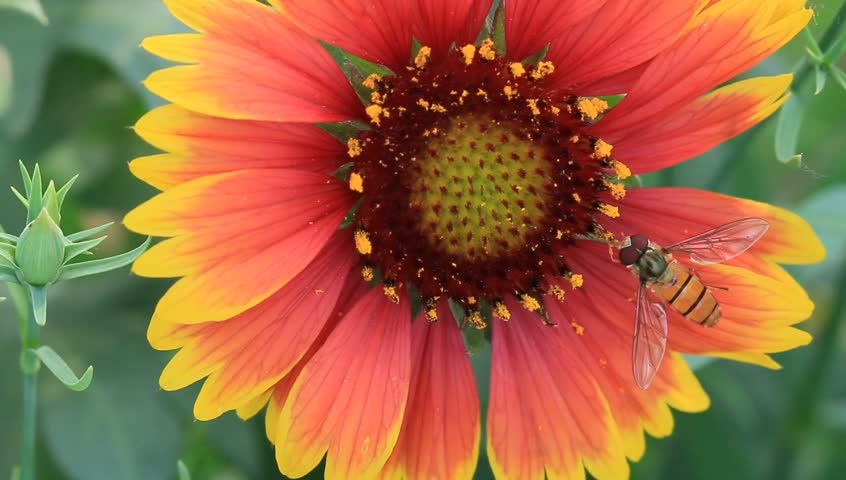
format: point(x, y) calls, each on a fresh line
point(678, 286)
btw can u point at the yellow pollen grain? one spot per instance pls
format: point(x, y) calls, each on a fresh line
point(482, 93)
point(592, 107)
point(509, 91)
point(373, 111)
point(423, 103)
point(579, 329)
point(517, 69)
point(542, 69)
point(555, 110)
point(602, 148)
point(353, 147)
point(574, 139)
point(422, 57)
point(557, 292)
point(469, 51)
point(356, 182)
point(576, 280)
point(475, 319)
point(501, 311)
point(577, 198)
point(611, 211)
point(377, 98)
point(391, 293)
point(530, 303)
point(533, 106)
point(362, 242)
point(486, 49)
point(372, 80)
point(367, 274)
point(432, 314)
point(471, 300)
point(559, 234)
point(620, 169)
point(437, 107)
point(617, 190)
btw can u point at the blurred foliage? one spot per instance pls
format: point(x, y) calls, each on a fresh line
point(75, 91)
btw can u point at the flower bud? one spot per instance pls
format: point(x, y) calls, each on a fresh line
point(40, 252)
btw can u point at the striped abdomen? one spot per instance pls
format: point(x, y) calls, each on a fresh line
point(688, 295)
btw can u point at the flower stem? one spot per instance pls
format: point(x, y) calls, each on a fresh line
point(804, 407)
point(802, 73)
point(29, 370)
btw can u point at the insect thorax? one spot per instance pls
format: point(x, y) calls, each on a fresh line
point(652, 265)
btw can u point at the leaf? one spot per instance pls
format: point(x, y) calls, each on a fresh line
point(787, 130)
point(184, 474)
point(5, 81)
point(74, 249)
point(820, 76)
point(75, 237)
point(93, 267)
point(62, 371)
point(38, 302)
point(31, 7)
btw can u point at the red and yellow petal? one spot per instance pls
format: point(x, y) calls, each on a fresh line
point(382, 28)
point(699, 126)
point(441, 430)
point(619, 36)
point(670, 214)
point(725, 39)
point(605, 345)
point(241, 237)
point(350, 398)
point(250, 63)
point(201, 145)
point(547, 412)
point(245, 355)
point(531, 24)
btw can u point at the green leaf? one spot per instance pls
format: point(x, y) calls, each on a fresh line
point(184, 474)
point(8, 238)
point(787, 129)
point(813, 46)
point(7, 274)
point(5, 81)
point(31, 7)
point(820, 76)
point(75, 249)
point(62, 371)
point(75, 237)
point(838, 75)
point(38, 299)
point(836, 50)
point(94, 267)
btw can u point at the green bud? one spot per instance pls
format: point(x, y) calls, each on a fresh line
point(50, 201)
point(40, 252)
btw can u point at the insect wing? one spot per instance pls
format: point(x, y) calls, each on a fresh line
point(650, 338)
point(722, 243)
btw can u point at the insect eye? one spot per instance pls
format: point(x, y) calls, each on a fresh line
point(629, 255)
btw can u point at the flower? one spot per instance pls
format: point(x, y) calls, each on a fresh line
point(486, 178)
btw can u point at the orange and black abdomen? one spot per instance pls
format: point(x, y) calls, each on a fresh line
point(689, 296)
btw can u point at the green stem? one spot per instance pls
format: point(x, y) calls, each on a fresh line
point(29, 370)
point(805, 405)
point(802, 73)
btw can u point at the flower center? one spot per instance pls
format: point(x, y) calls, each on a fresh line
point(476, 177)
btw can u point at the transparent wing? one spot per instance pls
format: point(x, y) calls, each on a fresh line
point(650, 338)
point(722, 243)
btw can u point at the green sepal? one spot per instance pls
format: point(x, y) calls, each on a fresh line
point(32, 8)
point(38, 303)
point(93, 267)
point(75, 237)
point(27, 179)
point(73, 250)
point(356, 69)
point(50, 202)
point(820, 76)
point(184, 474)
point(21, 197)
point(345, 130)
point(63, 192)
point(494, 27)
point(839, 76)
point(8, 238)
point(62, 371)
point(813, 47)
point(35, 195)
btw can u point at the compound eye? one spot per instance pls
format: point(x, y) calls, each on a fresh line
point(629, 255)
point(640, 242)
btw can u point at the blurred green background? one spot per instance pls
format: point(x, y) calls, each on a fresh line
point(75, 91)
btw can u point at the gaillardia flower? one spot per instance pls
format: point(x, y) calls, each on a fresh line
point(350, 185)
